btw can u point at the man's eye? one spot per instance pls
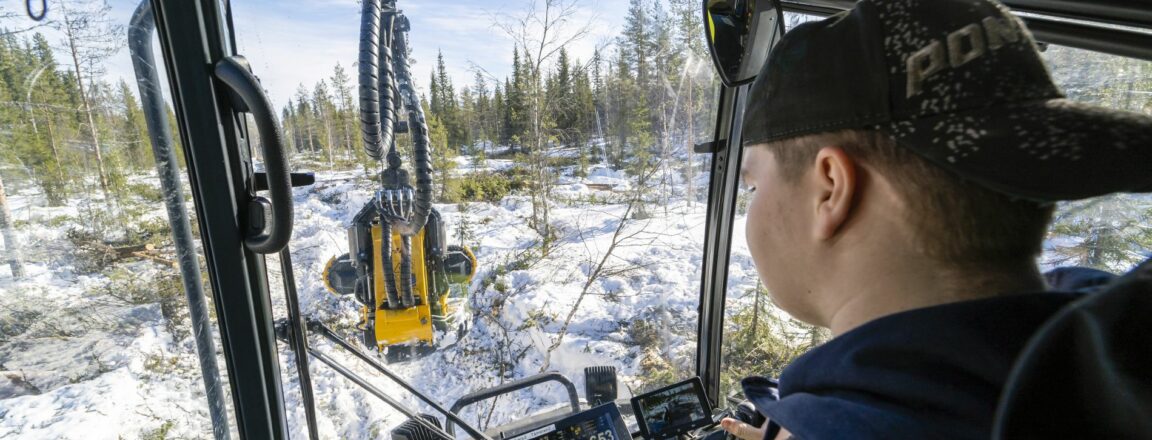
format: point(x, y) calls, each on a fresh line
point(747, 188)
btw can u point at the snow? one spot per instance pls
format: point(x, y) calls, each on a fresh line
point(77, 362)
point(93, 367)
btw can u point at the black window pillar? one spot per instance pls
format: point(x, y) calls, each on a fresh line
point(193, 37)
point(718, 239)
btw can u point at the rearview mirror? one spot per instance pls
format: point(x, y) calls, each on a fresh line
point(740, 33)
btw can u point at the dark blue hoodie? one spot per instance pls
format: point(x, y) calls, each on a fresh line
point(935, 372)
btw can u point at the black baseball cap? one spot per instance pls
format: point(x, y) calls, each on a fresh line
point(961, 83)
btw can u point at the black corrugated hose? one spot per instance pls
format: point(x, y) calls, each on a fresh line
point(369, 60)
point(387, 82)
point(418, 127)
point(389, 274)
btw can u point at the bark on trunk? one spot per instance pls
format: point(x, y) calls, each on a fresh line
point(11, 245)
point(84, 101)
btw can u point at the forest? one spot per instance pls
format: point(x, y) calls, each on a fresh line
point(573, 177)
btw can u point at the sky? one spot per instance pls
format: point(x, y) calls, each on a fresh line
point(293, 42)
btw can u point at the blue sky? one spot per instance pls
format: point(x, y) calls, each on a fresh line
point(290, 42)
point(300, 40)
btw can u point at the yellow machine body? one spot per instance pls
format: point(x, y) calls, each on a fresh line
point(402, 326)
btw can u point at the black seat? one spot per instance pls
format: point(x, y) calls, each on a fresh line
point(1087, 373)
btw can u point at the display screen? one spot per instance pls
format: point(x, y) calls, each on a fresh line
point(672, 410)
point(599, 423)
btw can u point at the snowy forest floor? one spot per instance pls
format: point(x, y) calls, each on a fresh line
point(104, 351)
point(99, 347)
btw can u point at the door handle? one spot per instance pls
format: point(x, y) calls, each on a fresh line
point(269, 221)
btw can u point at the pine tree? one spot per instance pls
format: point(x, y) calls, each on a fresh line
point(345, 112)
point(42, 115)
point(516, 107)
point(508, 114)
point(435, 107)
point(89, 38)
point(465, 116)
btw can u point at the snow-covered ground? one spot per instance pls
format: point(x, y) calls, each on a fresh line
point(106, 354)
point(93, 363)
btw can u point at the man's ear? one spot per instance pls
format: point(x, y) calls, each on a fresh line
point(836, 186)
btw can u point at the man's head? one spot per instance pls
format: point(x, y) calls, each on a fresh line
point(948, 219)
point(852, 207)
point(920, 131)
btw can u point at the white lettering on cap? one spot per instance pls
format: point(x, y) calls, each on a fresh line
point(960, 47)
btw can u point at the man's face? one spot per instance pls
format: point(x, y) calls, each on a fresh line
point(777, 237)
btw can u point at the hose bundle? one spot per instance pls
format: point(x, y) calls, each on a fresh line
point(386, 83)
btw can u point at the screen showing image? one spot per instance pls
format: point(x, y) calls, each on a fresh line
point(600, 423)
point(672, 408)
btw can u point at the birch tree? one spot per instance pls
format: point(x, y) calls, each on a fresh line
point(542, 30)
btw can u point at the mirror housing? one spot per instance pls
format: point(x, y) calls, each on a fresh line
point(740, 34)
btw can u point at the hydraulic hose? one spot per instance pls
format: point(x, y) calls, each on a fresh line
point(418, 127)
point(406, 271)
point(386, 260)
point(387, 83)
point(369, 65)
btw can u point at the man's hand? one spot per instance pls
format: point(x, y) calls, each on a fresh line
point(743, 430)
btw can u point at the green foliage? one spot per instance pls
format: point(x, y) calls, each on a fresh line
point(759, 341)
point(159, 433)
point(1109, 233)
point(485, 187)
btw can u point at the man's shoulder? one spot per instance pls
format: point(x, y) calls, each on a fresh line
point(917, 373)
point(966, 324)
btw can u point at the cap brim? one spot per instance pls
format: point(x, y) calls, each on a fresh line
point(1042, 150)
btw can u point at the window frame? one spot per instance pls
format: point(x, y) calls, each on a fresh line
point(1062, 22)
point(194, 35)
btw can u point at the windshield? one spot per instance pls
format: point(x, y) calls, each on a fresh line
point(1109, 233)
point(561, 139)
point(97, 339)
point(562, 155)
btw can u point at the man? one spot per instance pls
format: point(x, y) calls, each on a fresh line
point(904, 158)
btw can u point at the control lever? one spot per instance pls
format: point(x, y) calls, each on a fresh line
point(745, 412)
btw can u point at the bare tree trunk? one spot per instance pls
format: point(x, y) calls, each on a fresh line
point(11, 245)
point(691, 174)
point(545, 181)
point(600, 270)
point(75, 52)
point(308, 134)
point(328, 137)
point(540, 32)
point(58, 195)
point(347, 136)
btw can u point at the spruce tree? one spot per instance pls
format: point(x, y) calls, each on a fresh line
point(304, 119)
point(135, 130)
point(322, 105)
point(482, 108)
point(499, 110)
